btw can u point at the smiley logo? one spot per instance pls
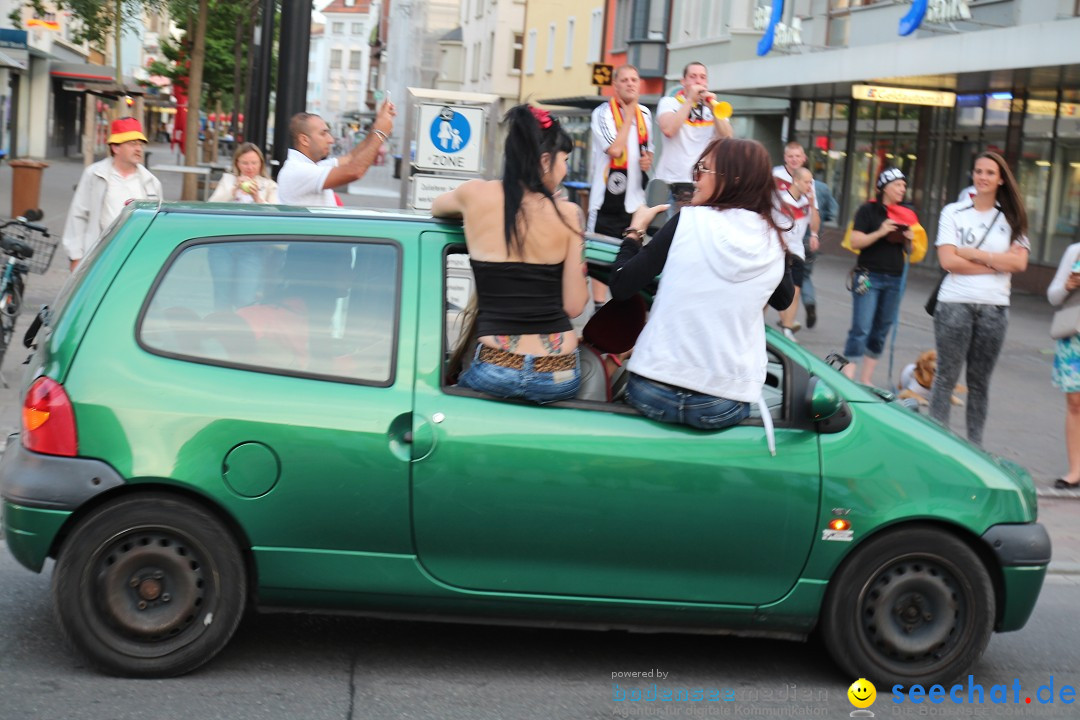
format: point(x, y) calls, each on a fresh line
point(862, 693)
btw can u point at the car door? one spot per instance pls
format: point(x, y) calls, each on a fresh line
point(588, 500)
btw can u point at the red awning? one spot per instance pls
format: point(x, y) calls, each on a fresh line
point(84, 72)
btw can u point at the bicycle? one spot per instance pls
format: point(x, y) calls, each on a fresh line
point(28, 249)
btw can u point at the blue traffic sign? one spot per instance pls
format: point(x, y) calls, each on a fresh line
point(450, 131)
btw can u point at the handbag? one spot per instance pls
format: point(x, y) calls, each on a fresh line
point(1066, 322)
point(931, 302)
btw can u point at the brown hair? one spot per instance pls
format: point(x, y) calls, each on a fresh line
point(1008, 196)
point(744, 179)
point(244, 148)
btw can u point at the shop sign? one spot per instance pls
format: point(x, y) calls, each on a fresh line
point(1049, 108)
point(767, 18)
point(12, 39)
point(903, 96)
point(933, 11)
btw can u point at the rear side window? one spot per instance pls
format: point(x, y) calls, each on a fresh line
point(317, 308)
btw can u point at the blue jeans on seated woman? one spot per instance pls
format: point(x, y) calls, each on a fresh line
point(526, 383)
point(678, 406)
point(872, 315)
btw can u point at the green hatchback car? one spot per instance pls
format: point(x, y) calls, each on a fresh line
point(234, 406)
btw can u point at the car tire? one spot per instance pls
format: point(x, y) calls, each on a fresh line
point(149, 586)
point(915, 605)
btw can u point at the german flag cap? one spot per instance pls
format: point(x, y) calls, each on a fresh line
point(123, 129)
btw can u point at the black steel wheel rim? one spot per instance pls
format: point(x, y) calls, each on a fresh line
point(150, 591)
point(914, 613)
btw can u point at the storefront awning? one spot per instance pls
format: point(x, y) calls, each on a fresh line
point(7, 61)
point(83, 72)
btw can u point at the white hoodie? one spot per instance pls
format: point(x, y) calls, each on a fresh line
point(706, 330)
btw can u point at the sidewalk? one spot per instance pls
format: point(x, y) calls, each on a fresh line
point(1027, 414)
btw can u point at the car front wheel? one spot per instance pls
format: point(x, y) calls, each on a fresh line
point(149, 586)
point(914, 605)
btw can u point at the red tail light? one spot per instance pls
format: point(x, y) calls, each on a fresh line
point(48, 421)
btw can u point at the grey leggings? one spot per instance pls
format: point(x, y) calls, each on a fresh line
point(971, 333)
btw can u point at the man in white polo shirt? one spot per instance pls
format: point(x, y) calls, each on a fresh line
point(309, 176)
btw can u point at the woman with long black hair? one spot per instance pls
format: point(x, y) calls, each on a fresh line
point(526, 251)
point(981, 242)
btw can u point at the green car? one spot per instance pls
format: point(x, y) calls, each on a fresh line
point(234, 406)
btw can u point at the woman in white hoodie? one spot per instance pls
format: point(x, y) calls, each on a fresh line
point(701, 360)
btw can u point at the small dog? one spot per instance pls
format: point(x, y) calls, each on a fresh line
point(917, 378)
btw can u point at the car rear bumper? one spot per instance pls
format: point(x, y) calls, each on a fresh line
point(1023, 553)
point(38, 494)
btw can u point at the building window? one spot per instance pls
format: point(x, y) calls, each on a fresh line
point(335, 59)
point(355, 58)
point(489, 54)
point(596, 35)
point(519, 41)
point(550, 64)
point(530, 53)
point(622, 24)
point(356, 28)
point(476, 62)
point(337, 28)
point(568, 57)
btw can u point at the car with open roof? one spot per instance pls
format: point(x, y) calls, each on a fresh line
point(235, 407)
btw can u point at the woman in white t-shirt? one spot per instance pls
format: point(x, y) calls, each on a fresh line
point(981, 242)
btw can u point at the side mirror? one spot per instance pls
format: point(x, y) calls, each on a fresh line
point(824, 402)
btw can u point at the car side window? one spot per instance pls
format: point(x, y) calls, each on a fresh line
point(296, 307)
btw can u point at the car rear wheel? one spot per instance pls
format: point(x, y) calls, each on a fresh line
point(149, 586)
point(915, 605)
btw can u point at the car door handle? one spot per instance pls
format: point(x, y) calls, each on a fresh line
point(407, 437)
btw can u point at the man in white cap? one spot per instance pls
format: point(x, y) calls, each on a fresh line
point(106, 187)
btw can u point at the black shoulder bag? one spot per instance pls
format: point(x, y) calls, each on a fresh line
point(931, 302)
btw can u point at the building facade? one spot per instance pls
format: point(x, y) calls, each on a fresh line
point(491, 32)
point(840, 77)
point(344, 63)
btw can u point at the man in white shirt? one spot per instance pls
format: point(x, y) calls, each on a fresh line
point(795, 158)
point(622, 151)
point(106, 187)
point(309, 176)
point(795, 206)
point(688, 124)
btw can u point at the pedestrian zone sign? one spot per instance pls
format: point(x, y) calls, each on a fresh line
point(451, 138)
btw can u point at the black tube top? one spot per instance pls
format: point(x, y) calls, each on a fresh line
point(518, 298)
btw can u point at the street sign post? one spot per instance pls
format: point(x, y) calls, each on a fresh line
point(451, 137)
point(451, 140)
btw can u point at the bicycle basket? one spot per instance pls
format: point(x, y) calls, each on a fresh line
point(44, 247)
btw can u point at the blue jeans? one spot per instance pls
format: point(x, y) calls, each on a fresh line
point(809, 297)
point(678, 406)
point(872, 315)
point(526, 383)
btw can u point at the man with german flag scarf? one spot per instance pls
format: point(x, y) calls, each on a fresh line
point(622, 155)
point(688, 123)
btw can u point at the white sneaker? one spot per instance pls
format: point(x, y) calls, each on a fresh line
point(790, 335)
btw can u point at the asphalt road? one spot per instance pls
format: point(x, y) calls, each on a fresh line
point(348, 668)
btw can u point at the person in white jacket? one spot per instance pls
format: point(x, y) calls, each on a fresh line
point(701, 359)
point(248, 182)
point(106, 187)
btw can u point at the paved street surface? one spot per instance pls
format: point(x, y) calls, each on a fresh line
point(319, 667)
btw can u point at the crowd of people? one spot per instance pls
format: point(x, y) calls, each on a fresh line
point(739, 235)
